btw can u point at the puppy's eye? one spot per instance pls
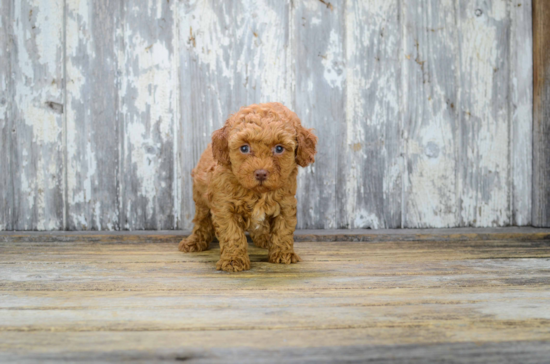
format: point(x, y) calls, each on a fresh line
point(279, 149)
point(245, 149)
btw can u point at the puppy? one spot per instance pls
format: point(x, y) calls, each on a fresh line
point(246, 181)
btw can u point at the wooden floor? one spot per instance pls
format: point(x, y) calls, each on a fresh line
point(408, 300)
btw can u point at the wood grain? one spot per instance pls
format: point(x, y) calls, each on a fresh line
point(483, 30)
point(6, 122)
point(430, 97)
point(426, 299)
point(299, 346)
point(92, 116)
point(541, 124)
point(372, 192)
point(148, 103)
point(521, 109)
point(318, 35)
point(348, 235)
point(37, 151)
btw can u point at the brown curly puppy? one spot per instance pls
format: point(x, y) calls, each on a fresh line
point(246, 181)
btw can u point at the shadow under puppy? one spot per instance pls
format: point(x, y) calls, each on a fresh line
point(246, 181)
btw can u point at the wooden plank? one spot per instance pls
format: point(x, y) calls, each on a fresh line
point(204, 341)
point(6, 126)
point(71, 300)
point(521, 111)
point(329, 253)
point(483, 33)
point(523, 233)
point(38, 106)
point(354, 235)
point(326, 266)
point(92, 127)
point(155, 341)
point(330, 259)
point(201, 276)
point(318, 34)
point(431, 101)
point(149, 114)
point(300, 346)
point(266, 315)
point(232, 55)
point(372, 191)
point(541, 116)
point(128, 246)
point(94, 252)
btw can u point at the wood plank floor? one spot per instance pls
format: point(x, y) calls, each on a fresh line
point(426, 300)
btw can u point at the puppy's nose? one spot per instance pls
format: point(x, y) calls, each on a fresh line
point(260, 174)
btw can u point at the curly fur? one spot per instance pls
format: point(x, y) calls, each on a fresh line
point(229, 199)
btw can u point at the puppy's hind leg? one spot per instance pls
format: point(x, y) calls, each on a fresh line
point(203, 231)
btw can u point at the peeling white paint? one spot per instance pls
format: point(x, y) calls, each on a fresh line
point(37, 72)
point(141, 149)
point(211, 41)
point(150, 80)
point(485, 203)
point(499, 11)
point(521, 73)
point(334, 72)
point(271, 57)
point(49, 14)
point(371, 104)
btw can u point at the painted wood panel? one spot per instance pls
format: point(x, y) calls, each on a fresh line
point(521, 109)
point(484, 28)
point(149, 114)
point(319, 39)
point(37, 143)
point(430, 121)
point(422, 108)
point(6, 126)
point(371, 170)
point(92, 121)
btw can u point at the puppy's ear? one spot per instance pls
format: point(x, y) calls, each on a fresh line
point(307, 142)
point(220, 146)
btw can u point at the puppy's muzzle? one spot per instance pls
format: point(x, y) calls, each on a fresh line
point(260, 175)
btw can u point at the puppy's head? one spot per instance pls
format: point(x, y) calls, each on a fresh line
point(262, 145)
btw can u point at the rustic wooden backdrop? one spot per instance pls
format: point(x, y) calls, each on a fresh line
point(423, 108)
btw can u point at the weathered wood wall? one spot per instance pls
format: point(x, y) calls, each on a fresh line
point(423, 108)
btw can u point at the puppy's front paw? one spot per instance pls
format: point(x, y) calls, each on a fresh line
point(233, 264)
point(192, 244)
point(286, 258)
